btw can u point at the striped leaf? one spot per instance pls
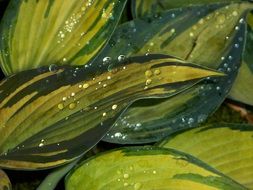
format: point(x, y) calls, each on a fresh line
point(50, 116)
point(144, 7)
point(214, 37)
point(37, 33)
point(146, 168)
point(5, 183)
point(242, 90)
point(226, 147)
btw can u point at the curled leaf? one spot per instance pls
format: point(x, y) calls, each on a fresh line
point(51, 116)
point(37, 33)
point(213, 37)
point(5, 183)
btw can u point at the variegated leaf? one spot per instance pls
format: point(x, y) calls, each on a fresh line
point(37, 33)
point(213, 36)
point(226, 147)
point(147, 168)
point(51, 116)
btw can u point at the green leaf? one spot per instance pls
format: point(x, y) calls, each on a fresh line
point(226, 147)
point(37, 33)
point(213, 37)
point(144, 7)
point(50, 116)
point(51, 181)
point(5, 183)
point(242, 90)
point(146, 168)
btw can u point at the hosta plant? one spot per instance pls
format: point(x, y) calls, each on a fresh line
point(143, 73)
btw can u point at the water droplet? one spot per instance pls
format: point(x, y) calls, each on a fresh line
point(125, 184)
point(114, 107)
point(64, 98)
point(173, 30)
point(154, 172)
point(137, 186)
point(85, 86)
point(118, 135)
point(73, 94)
point(107, 60)
point(191, 34)
point(72, 106)
point(104, 114)
point(121, 58)
point(109, 78)
point(148, 82)
point(126, 176)
point(235, 13)
point(157, 72)
point(148, 73)
point(190, 121)
point(41, 144)
point(61, 106)
point(52, 68)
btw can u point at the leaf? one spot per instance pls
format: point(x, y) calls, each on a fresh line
point(226, 147)
point(146, 168)
point(213, 37)
point(5, 183)
point(242, 88)
point(50, 117)
point(51, 181)
point(37, 33)
point(144, 7)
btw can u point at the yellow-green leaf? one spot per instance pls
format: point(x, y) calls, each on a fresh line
point(141, 168)
point(5, 183)
point(226, 147)
point(214, 37)
point(36, 33)
point(51, 116)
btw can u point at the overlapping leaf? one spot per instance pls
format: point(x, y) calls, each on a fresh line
point(144, 7)
point(5, 183)
point(51, 116)
point(242, 88)
point(36, 33)
point(226, 147)
point(146, 168)
point(214, 37)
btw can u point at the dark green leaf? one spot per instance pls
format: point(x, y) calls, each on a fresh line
point(213, 36)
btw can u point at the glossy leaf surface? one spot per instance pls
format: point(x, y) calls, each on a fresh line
point(242, 90)
point(146, 168)
point(50, 116)
point(144, 7)
point(226, 147)
point(37, 33)
point(214, 37)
